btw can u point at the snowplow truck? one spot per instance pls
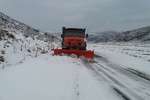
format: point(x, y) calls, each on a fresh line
point(74, 42)
point(73, 39)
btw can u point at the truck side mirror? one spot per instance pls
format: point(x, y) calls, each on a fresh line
point(87, 35)
point(62, 35)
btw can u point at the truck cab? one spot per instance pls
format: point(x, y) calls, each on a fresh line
point(74, 38)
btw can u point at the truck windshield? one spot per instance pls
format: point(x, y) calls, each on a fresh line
point(74, 33)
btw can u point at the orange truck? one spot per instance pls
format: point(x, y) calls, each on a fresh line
point(74, 42)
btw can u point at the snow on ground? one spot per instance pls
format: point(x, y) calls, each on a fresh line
point(52, 78)
point(16, 50)
point(130, 55)
point(115, 75)
point(129, 75)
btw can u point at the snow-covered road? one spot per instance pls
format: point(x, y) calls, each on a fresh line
point(128, 83)
point(52, 78)
point(113, 76)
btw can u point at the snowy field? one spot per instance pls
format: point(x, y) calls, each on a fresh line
point(130, 55)
point(137, 50)
point(115, 74)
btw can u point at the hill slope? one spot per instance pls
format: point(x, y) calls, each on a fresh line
point(19, 41)
point(138, 35)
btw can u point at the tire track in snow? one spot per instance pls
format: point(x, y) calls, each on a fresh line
point(76, 84)
point(140, 85)
point(125, 97)
point(120, 86)
point(140, 74)
point(112, 74)
point(102, 77)
point(130, 72)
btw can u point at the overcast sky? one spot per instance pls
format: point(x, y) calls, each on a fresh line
point(96, 15)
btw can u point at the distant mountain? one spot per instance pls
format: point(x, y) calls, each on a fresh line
point(141, 34)
point(136, 35)
point(103, 36)
point(19, 41)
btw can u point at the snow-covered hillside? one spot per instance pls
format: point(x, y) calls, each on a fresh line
point(103, 37)
point(14, 25)
point(137, 35)
point(19, 41)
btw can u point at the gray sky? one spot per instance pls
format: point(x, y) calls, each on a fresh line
point(96, 15)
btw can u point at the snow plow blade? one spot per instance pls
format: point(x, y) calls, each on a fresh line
point(87, 54)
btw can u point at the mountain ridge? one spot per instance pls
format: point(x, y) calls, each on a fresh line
point(135, 35)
